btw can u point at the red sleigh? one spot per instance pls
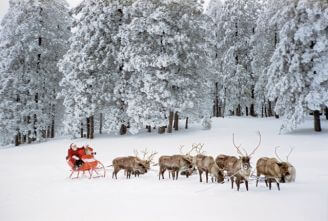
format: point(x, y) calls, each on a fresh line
point(94, 167)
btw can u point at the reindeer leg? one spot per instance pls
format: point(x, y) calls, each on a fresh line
point(177, 172)
point(257, 179)
point(270, 183)
point(206, 174)
point(238, 184)
point(246, 184)
point(232, 181)
point(200, 175)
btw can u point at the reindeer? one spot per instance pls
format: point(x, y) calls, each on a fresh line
point(146, 160)
point(237, 168)
point(291, 169)
point(174, 164)
point(129, 164)
point(272, 170)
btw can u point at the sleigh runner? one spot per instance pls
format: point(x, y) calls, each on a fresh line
point(94, 168)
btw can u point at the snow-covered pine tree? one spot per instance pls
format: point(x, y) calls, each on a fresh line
point(263, 43)
point(214, 11)
point(93, 80)
point(165, 57)
point(237, 22)
point(32, 40)
point(298, 76)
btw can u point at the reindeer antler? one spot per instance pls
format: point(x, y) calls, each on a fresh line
point(180, 148)
point(195, 147)
point(237, 147)
point(258, 145)
point(144, 152)
point(151, 156)
point(291, 150)
point(199, 148)
point(276, 153)
point(136, 153)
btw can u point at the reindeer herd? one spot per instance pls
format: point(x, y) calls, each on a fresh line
point(236, 169)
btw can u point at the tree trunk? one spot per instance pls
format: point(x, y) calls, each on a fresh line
point(81, 131)
point(52, 127)
point(238, 111)
point(176, 121)
point(88, 127)
point(326, 113)
point(246, 111)
point(169, 128)
point(100, 123)
point(262, 112)
point(92, 128)
point(17, 139)
point(187, 119)
point(161, 130)
point(270, 114)
point(317, 125)
point(123, 129)
point(252, 110)
point(148, 128)
point(265, 111)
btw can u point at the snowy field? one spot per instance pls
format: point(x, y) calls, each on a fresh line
point(35, 185)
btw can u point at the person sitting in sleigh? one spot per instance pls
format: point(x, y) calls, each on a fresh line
point(74, 156)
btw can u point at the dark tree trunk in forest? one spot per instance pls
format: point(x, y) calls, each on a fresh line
point(100, 123)
point(216, 101)
point(262, 112)
point(326, 113)
point(276, 116)
point(317, 125)
point(123, 129)
point(186, 126)
point(265, 111)
point(270, 113)
point(53, 127)
point(81, 131)
point(92, 127)
point(161, 130)
point(176, 121)
point(246, 111)
point(238, 111)
point(169, 128)
point(148, 128)
point(18, 139)
point(252, 108)
point(88, 127)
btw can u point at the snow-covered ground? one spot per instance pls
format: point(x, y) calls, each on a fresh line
point(34, 183)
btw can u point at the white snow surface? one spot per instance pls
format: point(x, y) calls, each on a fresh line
point(35, 185)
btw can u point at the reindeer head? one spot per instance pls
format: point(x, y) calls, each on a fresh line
point(147, 158)
point(284, 166)
point(245, 158)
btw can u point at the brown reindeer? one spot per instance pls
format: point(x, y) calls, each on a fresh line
point(272, 170)
point(174, 164)
point(291, 169)
point(207, 164)
point(129, 164)
point(238, 169)
point(146, 159)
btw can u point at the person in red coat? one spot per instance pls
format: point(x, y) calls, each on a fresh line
point(74, 156)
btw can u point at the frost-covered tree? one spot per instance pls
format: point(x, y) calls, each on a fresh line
point(237, 24)
point(214, 11)
point(264, 43)
point(298, 76)
point(33, 38)
point(166, 56)
point(93, 78)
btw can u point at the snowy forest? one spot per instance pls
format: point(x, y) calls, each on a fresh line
point(126, 66)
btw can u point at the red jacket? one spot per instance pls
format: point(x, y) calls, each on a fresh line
point(72, 155)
